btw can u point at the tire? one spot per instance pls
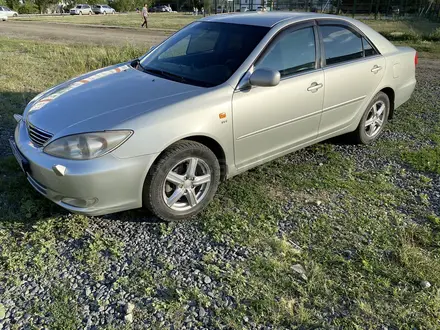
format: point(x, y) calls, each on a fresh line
point(15, 15)
point(113, 12)
point(90, 13)
point(191, 194)
point(80, 12)
point(105, 13)
point(366, 134)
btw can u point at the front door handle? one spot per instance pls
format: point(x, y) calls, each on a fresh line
point(314, 87)
point(376, 69)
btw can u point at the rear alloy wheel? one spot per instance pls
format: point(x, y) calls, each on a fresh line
point(105, 13)
point(374, 120)
point(182, 182)
point(80, 12)
point(90, 13)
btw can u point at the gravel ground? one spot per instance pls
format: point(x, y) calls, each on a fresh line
point(183, 248)
point(177, 251)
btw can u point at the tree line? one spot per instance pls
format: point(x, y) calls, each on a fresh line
point(418, 8)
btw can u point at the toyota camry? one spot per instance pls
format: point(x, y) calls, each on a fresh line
point(222, 95)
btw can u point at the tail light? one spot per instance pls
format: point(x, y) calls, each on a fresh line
point(416, 59)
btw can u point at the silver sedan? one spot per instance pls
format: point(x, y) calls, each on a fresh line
point(222, 95)
point(103, 9)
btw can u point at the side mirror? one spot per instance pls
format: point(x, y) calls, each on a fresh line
point(265, 77)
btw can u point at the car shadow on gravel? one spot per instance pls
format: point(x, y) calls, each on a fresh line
point(11, 103)
point(135, 216)
point(21, 204)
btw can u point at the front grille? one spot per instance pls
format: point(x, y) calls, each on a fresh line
point(38, 136)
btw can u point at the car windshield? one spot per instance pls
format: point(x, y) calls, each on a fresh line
point(204, 53)
point(78, 7)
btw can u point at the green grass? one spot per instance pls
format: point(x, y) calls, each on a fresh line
point(421, 28)
point(426, 159)
point(365, 250)
point(423, 35)
point(155, 20)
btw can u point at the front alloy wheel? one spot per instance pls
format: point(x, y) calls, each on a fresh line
point(182, 182)
point(187, 184)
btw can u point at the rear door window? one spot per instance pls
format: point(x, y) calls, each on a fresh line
point(340, 44)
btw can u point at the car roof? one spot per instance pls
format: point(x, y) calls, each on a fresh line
point(270, 19)
point(267, 19)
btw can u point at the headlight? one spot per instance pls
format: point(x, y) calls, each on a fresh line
point(87, 145)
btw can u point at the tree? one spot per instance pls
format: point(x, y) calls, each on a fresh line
point(28, 8)
point(207, 5)
point(128, 5)
point(141, 3)
point(377, 9)
point(44, 4)
point(122, 5)
point(13, 4)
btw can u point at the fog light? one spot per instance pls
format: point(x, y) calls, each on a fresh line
point(78, 202)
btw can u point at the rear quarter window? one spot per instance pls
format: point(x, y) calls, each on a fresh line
point(368, 49)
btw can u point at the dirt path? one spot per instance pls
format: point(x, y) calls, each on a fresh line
point(82, 34)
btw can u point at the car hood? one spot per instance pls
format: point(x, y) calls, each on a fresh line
point(120, 90)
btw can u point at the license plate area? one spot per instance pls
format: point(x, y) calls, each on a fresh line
point(22, 161)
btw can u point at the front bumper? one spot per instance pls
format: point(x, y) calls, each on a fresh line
point(111, 183)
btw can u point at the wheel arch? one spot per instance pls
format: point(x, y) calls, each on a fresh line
point(216, 148)
point(391, 96)
point(209, 142)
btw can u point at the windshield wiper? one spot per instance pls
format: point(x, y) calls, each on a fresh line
point(166, 74)
point(176, 77)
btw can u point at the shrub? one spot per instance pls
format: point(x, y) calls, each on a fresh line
point(28, 8)
point(13, 4)
point(435, 35)
point(122, 5)
point(402, 36)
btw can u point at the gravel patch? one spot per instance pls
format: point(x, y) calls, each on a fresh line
point(177, 251)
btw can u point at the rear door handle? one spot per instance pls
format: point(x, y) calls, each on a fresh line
point(376, 69)
point(314, 87)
